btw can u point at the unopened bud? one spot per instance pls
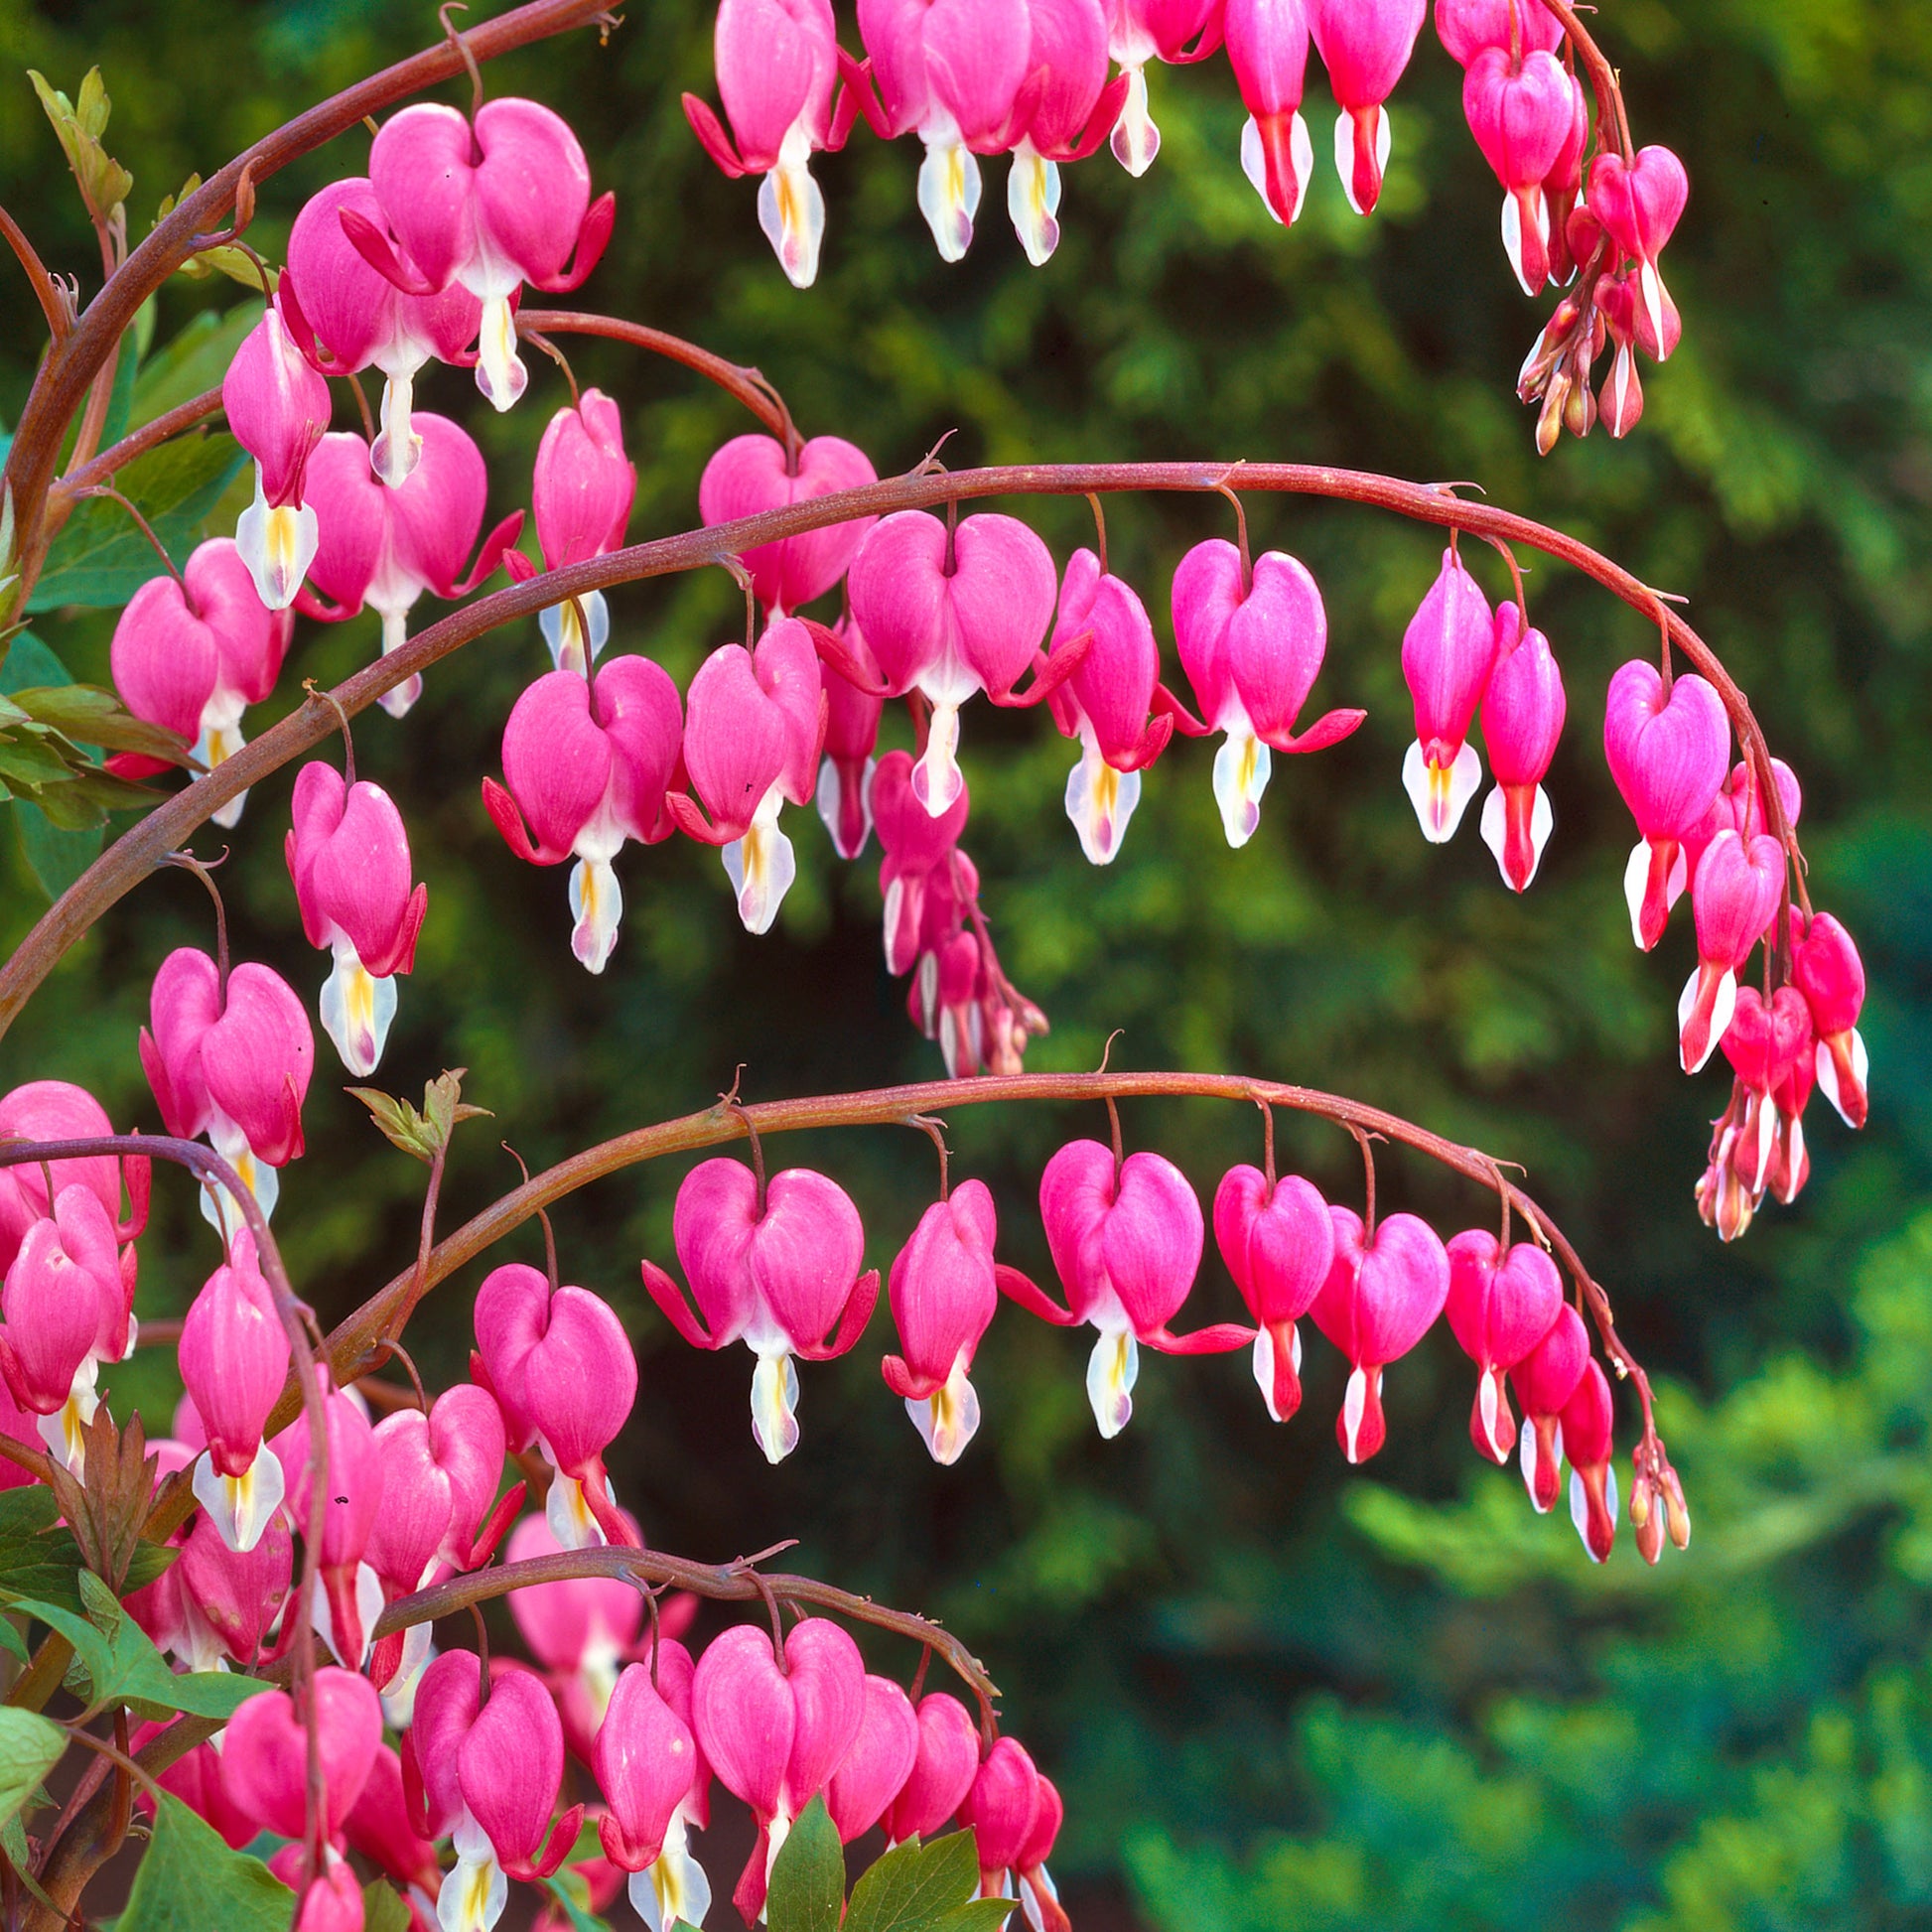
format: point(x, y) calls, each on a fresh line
point(1677, 1509)
point(1549, 423)
point(1640, 1492)
point(1650, 1537)
point(1580, 410)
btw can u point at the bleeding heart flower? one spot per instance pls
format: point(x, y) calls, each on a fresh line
point(265, 1753)
point(1467, 27)
point(873, 1771)
point(1364, 45)
point(942, 1773)
point(1268, 48)
point(1279, 1243)
point(1735, 898)
point(1002, 1809)
point(581, 491)
point(1062, 112)
point(852, 716)
point(1500, 1306)
point(1446, 654)
point(1545, 1380)
point(648, 1765)
point(1639, 204)
point(1140, 31)
point(753, 473)
point(231, 1599)
point(1522, 720)
point(1522, 113)
point(57, 1110)
point(278, 408)
point(1827, 970)
point(1588, 1417)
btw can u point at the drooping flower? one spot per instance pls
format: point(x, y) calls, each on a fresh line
point(648, 1764)
point(1279, 1243)
point(751, 473)
point(1268, 48)
point(943, 1768)
point(1140, 31)
point(852, 717)
point(1545, 1380)
point(1521, 112)
point(265, 1750)
point(1522, 720)
point(1588, 1417)
point(1500, 1306)
point(1467, 27)
point(1735, 898)
point(57, 1110)
point(1446, 654)
point(873, 1770)
point(278, 408)
point(1827, 970)
point(580, 493)
point(1639, 204)
point(1364, 45)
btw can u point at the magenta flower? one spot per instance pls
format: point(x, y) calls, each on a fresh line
point(1126, 1242)
point(191, 655)
point(647, 1766)
point(852, 716)
point(346, 316)
point(1002, 1807)
point(1447, 653)
point(1668, 752)
point(1545, 1380)
point(1740, 807)
point(1382, 1295)
point(491, 206)
point(264, 1754)
point(57, 1110)
point(1279, 1243)
point(1063, 111)
point(234, 1358)
point(753, 733)
point(943, 1769)
point(1140, 31)
point(1268, 48)
point(920, 852)
point(751, 473)
point(1252, 649)
point(1364, 45)
point(943, 1297)
point(1522, 115)
point(1639, 204)
point(1587, 1419)
point(775, 1737)
point(278, 408)
point(1467, 27)
point(562, 1369)
point(873, 1771)
point(231, 1599)
point(777, 65)
point(1522, 720)
point(1827, 970)
point(951, 615)
point(1500, 1306)
point(580, 493)
point(510, 1769)
point(349, 856)
point(1734, 898)
point(379, 1826)
point(774, 1265)
point(386, 546)
point(587, 768)
point(1040, 1899)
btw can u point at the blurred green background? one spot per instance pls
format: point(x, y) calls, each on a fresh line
point(1276, 1693)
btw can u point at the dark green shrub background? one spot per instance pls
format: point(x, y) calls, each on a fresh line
point(1274, 1694)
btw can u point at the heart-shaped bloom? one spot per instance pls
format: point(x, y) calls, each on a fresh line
point(1500, 1306)
point(774, 1265)
point(1467, 27)
point(873, 1771)
point(1588, 1420)
point(1521, 112)
point(777, 65)
point(1446, 654)
point(1252, 647)
point(949, 615)
point(231, 1599)
point(1364, 45)
point(852, 716)
point(278, 408)
point(1827, 970)
point(1002, 1809)
point(1040, 1899)
point(563, 1371)
point(586, 766)
point(191, 655)
point(943, 1296)
point(753, 733)
point(347, 316)
point(943, 1769)
point(1383, 1293)
point(1522, 720)
point(775, 1737)
point(265, 1753)
point(919, 851)
point(647, 1766)
point(753, 473)
point(234, 1358)
point(1668, 752)
point(1140, 31)
point(1062, 112)
point(1639, 204)
point(384, 545)
point(1545, 1380)
point(1735, 898)
point(57, 1110)
point(580, 493)
point(349, 856)
point(491, 206)
point(1279, 1243)
point(1268, 48)
point(1740, 807)
point(441, 1473)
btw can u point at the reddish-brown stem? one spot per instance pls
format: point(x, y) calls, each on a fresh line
point(165, 427)
point(146, 529)
point(747, 385)
point(138, 851)
point(58, 322)
point(1602, 77)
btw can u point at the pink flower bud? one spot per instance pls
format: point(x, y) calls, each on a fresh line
point(777, 65)
point(64, 1287)
point(1126, 1243)
point(943, 1297)
point(755, 728)
point(942, 1773)
point(57, 1110)
point(1038, 1897)
point(1499, 1307)
point(1639, 204)
point(1446, 654)
point(950, 617)
point(265, 1753)
point(1382, 1295)
point(916, 870)
point(386, 546)
point(236, 1594)
point(562, 1367)
point(234, 1360)
point(1522, 720)
point(1279, 1244)
point(1268, 48)
point(378, 1827)
point(775, 1737)
point(349, 856)
point(750, 474)
point(1105, 702)
point(347, 317)
point(1252, 651)
point(1001, 1808)
point(492, 205)
point(1364, 45)
point(1521, 115)
point(1827, 970)
point(191, 656)
point(873, 1771)
point(346, 1605)
point(776, 1267)
point(1140, 31)
point(278, 408)
point(510, 1770)
point(1586, 1424)
point(1545, 1380)
point(1467, 27)
point(852, 717)
point(1668, 753)
point(1734, 898)
point(588, 767)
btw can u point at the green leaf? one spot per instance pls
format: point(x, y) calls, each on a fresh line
point(976, 1915)
point(55, 854)
point(190, 1881)
point(150, 1560)
point(807, 1890)
point(913, 1884)
point(569, 1890)
point(194, 362)
point(124, 1667)
point(30, 1747)
point(100, 559)
point(90, 715)
point(104, 183)
point(383, 1909)
point(426, 1135)
point(37, 1561)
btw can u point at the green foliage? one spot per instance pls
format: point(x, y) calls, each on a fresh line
point(55, 856)
point(104, 183)
point(189, 1880)
point(30, 1747)
point(422, 1136)
point(914, 1887)
point(807, 1892)
point(383, 1909)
